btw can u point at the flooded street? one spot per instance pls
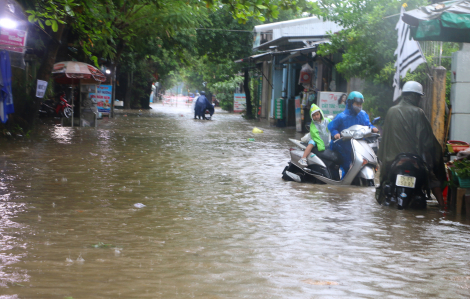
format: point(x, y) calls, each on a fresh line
point(155, 204)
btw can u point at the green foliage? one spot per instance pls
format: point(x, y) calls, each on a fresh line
point(50, 13)
point(367, 45)
point(462, 168)
point(225, 90)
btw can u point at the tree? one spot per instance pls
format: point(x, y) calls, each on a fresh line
point(367, 44)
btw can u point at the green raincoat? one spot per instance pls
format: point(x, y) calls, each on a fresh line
point(319, 130)
point(407, 130)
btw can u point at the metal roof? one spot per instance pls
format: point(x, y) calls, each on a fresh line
point(291, 52)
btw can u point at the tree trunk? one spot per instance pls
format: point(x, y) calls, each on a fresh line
point(45, 70)
point(246, 86)
point(127, 99)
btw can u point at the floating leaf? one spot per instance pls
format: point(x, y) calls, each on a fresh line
point(102, 245)
point(320, 282)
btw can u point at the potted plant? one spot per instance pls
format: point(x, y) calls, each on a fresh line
point(460, 172)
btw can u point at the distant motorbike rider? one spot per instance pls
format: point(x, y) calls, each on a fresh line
point(407, 130)
point(352, 115)
point(202, 103)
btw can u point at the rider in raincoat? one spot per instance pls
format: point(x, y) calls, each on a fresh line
point(202, 104)
point(319, 134)
point(352, 115)
point(407, 130)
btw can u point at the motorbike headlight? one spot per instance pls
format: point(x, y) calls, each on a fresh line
point(358, 135)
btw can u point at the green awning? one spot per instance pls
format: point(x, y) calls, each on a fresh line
point(446, 21)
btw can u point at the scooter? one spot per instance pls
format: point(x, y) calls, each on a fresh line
point(324, 167)
point(61, 109)
point(407, 183)
point(207, 113)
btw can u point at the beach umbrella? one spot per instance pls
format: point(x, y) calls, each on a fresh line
point(71, 72)
point(447, 21)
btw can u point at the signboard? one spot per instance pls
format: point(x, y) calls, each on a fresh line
point(298, 114)
point(102, 98)
point(329, 103)
point(239, 102)
point(104, 90)
point(41, 88)
point(13, 40)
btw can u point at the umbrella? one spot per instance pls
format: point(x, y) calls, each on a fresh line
point(70, 72)
point(447, 21)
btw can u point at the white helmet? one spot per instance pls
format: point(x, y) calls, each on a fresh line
point(413, 86)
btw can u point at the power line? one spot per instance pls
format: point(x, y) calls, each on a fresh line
point(250, 31)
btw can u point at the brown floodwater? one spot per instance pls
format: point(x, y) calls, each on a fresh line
point(155, 204)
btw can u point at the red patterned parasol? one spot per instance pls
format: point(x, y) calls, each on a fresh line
point(71, 72)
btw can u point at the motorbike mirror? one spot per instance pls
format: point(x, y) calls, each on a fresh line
point(376, 120)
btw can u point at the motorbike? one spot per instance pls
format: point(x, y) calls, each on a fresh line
point(407, 183)
point(61, 108)
point(324, 167)
point(372, 141)
point(207, 113)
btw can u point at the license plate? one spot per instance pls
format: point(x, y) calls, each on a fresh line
point(405, 181)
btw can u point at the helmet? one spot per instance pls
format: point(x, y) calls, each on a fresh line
point(413, 86)
point(355, 97)
point(203, 92)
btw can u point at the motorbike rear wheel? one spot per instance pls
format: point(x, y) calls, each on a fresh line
point(366, 183)
point(67, 112)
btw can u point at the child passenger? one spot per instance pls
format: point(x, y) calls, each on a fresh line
point(319, 133)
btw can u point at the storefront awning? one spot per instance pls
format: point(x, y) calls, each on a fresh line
point(291, 53)
point(286, 42)
point(255, 58)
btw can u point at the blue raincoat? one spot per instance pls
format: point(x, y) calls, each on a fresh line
point(343, 121)
point(202, 104)
point(6, 95)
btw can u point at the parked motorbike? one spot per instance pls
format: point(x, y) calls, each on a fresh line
point(52, 108)
point(407, 183)
point(324, 167)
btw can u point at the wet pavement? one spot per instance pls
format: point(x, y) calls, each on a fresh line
point(155, 204)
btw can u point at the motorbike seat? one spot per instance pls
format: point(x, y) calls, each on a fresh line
point(329, 155)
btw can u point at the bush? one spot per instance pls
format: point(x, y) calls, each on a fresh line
point(225, 90)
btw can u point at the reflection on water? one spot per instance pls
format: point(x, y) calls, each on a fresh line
point(160, 205)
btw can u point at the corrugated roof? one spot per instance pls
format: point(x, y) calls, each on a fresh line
point(299, 27)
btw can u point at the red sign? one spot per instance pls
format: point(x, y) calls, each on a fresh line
point(12, 39)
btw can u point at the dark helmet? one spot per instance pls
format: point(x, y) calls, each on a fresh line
point(203, 92)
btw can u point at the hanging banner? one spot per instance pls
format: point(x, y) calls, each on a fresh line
point(13, 40)
point(41, 88)
point(239, 102)
point(329, 103)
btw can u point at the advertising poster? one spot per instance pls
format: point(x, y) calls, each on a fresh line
point(103, 98)
point(41, 88)
point(298, 115)
point(329, 103)
point(12, 39)
point(239, 102)
point(103, 102)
